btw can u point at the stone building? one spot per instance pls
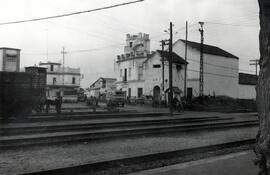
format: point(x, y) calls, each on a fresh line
point(129, 66)
point(64, 80)
point(139, 71)
point(221, 72)
point(220, 69)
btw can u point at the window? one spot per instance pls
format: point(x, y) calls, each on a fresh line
point(121, 72)
point(51, 68)
point(73, 80)
point(54, 80)
point(129, 71)
point(103, 84)
point(11, 58)
point(156, 66)
point(140, 73)
point(178, 67)
point(125, 75)
point(130, 44)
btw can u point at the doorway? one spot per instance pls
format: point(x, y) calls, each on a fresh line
point(156, 93)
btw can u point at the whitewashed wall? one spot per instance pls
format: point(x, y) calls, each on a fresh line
point(220, 73)
point(153, 76)
point(246, 91)
point(134, 67)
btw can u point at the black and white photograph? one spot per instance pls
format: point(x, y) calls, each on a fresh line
point(137, 87)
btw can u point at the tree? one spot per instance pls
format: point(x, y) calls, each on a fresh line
point(262, 147)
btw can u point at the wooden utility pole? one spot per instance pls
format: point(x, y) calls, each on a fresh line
point(63, 69)
point(47, 49)
point(255, 63)
point(162, 48)
point(163, 43)
point(170, 70)
point(201, 60)
point(185, 83)
point(262, 147)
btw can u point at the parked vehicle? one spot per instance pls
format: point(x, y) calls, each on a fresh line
point(81, 97)
point(116, 97)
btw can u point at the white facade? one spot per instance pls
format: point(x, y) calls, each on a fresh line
point(129, 66)
point(9, 59)
point(136, 74)
point(153, 75)
point(137, 44)
point(66, 81)
point(140, 73)
point(246, 91)
point(220, 72)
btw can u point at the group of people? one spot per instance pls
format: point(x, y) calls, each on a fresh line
point(178, 104)
point(57, 103)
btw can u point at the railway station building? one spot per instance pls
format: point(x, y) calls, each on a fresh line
point(139, 71)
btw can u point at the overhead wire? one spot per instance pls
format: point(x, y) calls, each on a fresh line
point(224, 67)
point(76, 51)
point(88, 50)
point(209, 73)
point(70, 14)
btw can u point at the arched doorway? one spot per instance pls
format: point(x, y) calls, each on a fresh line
point(156, 93)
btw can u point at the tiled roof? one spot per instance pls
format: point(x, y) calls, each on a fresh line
point(113, 79)
point(247, 79)
point(212, 50)
point(176, 58)
point(102, 78)
point(175, 90)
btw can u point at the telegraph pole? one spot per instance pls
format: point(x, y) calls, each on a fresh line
point(170, 71)
point(185, 83)
point(163, 43)
point(256, 63)
point(63, 70)
point(201, 60)
point(47, 50)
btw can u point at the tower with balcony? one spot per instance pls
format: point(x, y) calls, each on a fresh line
point(129, 65)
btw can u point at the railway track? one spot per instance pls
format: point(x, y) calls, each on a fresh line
point(133, 164)
point(81, 133)
point(81, 116)
point(91, 125)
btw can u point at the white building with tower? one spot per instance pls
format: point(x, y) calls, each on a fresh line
point(65, 80)
point(129, 66)
point(139, 71)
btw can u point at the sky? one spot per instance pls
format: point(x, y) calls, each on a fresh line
point(93, 40)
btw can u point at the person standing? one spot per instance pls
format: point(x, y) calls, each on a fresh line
point(58, 104)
